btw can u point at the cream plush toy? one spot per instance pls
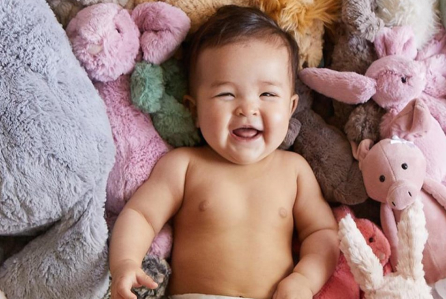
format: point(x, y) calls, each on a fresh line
point(408, 280)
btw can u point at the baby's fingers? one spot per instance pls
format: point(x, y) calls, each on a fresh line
point(144, 280)
point(123, 289)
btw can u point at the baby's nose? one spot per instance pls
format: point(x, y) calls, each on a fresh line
point(247, 108)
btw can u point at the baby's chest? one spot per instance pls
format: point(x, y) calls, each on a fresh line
point(239, 202)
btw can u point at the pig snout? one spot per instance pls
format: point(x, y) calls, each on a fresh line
point(401, 194)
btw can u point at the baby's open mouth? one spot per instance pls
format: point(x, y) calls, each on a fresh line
point(246, 133)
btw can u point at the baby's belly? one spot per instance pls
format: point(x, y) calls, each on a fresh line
point(240, 262)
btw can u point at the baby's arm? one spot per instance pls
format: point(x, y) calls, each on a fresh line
point(317, 230)
point(152, 205)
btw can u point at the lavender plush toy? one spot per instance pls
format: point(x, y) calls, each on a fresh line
point(107, 41)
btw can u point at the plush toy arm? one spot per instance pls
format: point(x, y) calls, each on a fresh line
point(164, 27)
point(346, 87)
point(436, 189)
point(388, 223)
point(436, 46)
point(364, 265)
point(412, 236)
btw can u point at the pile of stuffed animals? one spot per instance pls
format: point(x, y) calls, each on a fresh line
point(370, 72)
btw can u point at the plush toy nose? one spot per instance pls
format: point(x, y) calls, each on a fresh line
point(401, 194)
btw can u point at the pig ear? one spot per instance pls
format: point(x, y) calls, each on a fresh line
point(346, 87)
point(399, 40)
point(412, 122)
point(361, 151)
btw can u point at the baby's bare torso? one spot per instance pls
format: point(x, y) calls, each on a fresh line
point(232, 234)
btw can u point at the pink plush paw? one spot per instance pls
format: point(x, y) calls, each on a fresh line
point(163, 28)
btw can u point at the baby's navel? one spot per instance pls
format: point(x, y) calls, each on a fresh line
point(283, 212)
point(203, 206)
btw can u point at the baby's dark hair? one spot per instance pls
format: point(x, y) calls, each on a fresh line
point(233, 24)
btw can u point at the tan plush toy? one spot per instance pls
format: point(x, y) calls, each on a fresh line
point(305, 20)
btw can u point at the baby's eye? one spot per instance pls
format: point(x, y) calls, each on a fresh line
point(268, 94)
point(224, 94)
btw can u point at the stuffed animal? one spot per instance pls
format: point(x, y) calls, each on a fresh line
point(306, 21)
point(158, 90)
point(106, 40)
point(342, 283)
point(394, 79)
point(57, 151)
point(65, 10)
point(354, 52)
point(408, 280)
point(394, 172)
point(138, 144)
point(328, 152)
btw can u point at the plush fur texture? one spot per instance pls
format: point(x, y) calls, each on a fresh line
point(354, 51)
point(199, 10)
point(342, 283)
point(408, 280)
point(57, 151)
point(158, 90)
point(421, 16)
point(65, 10)
point(328, 152)
point(393, 80)
point(394, 173)
point(305, 20)
point(138, 144)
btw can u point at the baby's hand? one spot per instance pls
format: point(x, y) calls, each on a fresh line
point(294, 286)
point(126, 276)
point(2, 295)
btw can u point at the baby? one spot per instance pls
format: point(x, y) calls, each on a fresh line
point(234, 202)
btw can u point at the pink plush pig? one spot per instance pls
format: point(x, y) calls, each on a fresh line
point(394, 172)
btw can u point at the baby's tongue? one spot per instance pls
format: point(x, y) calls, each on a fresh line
point(245, 132)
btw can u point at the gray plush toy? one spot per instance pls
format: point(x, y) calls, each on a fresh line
point(56, 153)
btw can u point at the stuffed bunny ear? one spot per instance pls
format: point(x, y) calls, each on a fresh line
point(361, 151)
point(396, 41)
point(412, 236)
point(412, 122)
point(364, 265)
point(346, 87)
point(163, 28)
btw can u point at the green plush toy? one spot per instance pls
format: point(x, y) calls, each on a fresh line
point(158, 90)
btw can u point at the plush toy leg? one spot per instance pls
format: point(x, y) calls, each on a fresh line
point(67, 261)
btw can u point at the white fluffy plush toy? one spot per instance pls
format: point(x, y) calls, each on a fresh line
point(408, 280)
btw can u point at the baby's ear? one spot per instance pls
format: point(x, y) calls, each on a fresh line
point(191, 105)
point(293, 103)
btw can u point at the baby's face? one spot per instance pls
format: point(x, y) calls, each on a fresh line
point(244, 99)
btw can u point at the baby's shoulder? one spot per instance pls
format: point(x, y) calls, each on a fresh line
point(291, 158)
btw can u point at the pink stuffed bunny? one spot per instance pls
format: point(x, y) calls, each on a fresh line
point(394, 172)
point(408, 281)
point(400, 75)
point(342, 284)
point(106, 40)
